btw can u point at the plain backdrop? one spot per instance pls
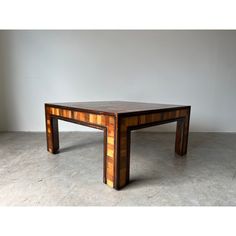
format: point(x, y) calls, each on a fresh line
point(196, 68)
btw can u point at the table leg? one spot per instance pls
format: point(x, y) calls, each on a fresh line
point(123, 157)
point(182, 130)
point(117, 156)
point(52, 134)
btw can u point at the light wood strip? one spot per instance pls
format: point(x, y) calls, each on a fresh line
point(110, 152)
point(110, 183)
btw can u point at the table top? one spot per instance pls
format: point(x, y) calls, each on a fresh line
point(116, 107)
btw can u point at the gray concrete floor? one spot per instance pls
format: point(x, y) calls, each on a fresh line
point(29, 176)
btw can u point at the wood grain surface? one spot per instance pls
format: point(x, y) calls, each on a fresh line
point(117, 128)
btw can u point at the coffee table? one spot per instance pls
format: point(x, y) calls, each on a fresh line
point(117, 119)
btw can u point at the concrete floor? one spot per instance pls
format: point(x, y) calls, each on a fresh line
point(29, 176)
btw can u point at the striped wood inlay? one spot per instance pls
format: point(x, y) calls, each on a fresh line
point(117, 142)
point(124, 136)
point(93, 119)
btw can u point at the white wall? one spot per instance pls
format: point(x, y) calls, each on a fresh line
point(2, 104)
point(1, 100)
point(182, 67)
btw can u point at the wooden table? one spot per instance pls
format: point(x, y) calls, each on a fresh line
point(117, 119)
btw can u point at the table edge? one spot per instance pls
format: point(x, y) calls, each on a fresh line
point(129, 113)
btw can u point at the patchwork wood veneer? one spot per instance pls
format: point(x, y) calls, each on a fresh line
point(117, 119)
